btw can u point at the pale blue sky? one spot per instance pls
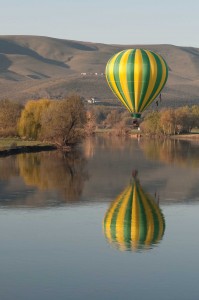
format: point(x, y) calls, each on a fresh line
point(105, 21)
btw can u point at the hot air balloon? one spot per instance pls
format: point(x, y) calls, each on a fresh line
point(134, 220)
point(136, 77)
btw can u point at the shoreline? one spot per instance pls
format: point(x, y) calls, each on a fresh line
point(38, 148)
point(26, 149)
point(191, 136)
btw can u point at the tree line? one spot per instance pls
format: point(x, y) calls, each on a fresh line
point(62, 122)
point(58, 122)
point(65, 122)
point(171, 121)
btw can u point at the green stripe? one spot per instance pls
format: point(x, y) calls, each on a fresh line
point(145, 76)
point(108, 77)
point(113, 228)
point(158, 79)
point(127, 221)
point(142, 219)
point(130, 76)
point(117, 78)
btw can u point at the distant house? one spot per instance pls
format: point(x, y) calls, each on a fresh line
point(93, 100)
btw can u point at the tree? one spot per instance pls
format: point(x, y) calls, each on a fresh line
point(151, 123)
point(90, 125)
point(63, 122)
point(9, 115)
point(195, 115)
point(168, 121)
point(183, 119)
point(29, 125)
point(113, 118)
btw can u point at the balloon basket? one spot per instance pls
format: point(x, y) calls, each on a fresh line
point(136, 116)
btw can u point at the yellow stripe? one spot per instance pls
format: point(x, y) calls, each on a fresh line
point(123, 77)
point(120, 220)
point(112, 84)
point(109, 215)
point(137, 77)
point(164, 72)
point(135, 220)
point(152, 80)
point(149, 218)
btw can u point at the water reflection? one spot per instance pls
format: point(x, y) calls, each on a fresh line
point(53, 179)
point(106, 142)
point(183, 153)
point(134, 220)
point(64, 174)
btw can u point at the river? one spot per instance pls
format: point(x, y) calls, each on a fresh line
point(116, 219)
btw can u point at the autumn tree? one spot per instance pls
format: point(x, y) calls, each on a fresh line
point(63, 122)
point(168, 121)
point(171, 121)
point(195, 115)
point(9, 115)
point(183, 119)
point(151, 123)
point(90, 125)
point(29, 125)
point(113, 118)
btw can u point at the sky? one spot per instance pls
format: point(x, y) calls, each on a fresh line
point(104, 21)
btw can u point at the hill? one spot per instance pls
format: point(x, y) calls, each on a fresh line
point(35, 66)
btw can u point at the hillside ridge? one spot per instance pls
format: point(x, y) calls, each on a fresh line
point(36, 66)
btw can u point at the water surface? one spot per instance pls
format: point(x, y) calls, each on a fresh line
point(52, 213)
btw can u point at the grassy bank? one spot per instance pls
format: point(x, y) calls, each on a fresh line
point(9, 143)
point(12, 146)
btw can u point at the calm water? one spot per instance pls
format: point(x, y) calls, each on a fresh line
point(82, 227)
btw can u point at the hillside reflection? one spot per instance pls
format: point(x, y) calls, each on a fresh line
point(134, 220)
point(183, 153)
point(63, 174)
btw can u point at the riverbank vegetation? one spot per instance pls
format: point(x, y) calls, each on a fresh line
point(60, 123)
point(63, 123)
point(169, 122)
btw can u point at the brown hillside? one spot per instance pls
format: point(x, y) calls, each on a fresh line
point(32, 67)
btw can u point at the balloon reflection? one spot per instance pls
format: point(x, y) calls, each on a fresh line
point(134, 220)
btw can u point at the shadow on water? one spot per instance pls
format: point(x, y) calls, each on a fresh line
point(61, 174)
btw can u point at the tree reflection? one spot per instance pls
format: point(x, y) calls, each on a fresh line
point(63, 172)
point(8, 168)
point(183, 153)
point(107, 142)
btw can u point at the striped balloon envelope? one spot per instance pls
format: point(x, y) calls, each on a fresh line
point(136, 77)
point(134, 221)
